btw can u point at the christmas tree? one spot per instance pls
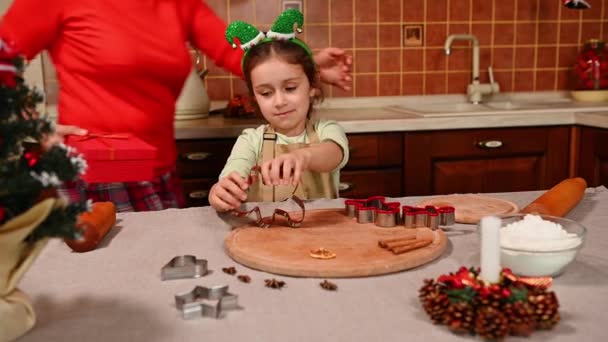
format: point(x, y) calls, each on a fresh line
point(29, 170)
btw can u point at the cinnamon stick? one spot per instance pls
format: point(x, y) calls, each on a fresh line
point(410, 247)
point(389, 242)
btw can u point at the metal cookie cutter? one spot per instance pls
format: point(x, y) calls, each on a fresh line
point(206, 302)
point(428, 216)
point(374, 209)
point(184, 266)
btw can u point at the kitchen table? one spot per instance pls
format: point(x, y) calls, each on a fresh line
point(115, 292)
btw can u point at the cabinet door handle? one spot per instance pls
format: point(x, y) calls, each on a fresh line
point(197, 156)
point(345, 186)
point(198, 194)
point(490, 144)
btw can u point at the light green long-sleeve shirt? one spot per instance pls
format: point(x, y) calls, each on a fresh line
point(248, 147)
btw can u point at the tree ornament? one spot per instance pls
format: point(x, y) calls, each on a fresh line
point(32, 158)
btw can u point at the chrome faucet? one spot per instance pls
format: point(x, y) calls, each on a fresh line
point(475, 90)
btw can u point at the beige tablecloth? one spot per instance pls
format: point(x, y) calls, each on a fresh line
point(115, 293)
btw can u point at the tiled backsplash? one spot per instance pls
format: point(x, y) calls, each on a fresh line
point(530, 44)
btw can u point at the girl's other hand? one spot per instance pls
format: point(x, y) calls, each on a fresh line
point(229, 193)
point(58, 136)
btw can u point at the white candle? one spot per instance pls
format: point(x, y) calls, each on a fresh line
point(490, 249)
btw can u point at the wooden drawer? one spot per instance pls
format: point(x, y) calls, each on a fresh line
point(375, 150)
point(196, 191)
point(367, 183)
point(202, 158)
point(485, 160)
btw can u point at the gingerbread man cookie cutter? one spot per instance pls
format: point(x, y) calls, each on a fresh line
point(391, 214)
point(263, 222)
point(206, 302)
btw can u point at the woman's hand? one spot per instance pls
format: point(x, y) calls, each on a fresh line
point(58, 136)
point(285, 169)
point(335, 67)
point(229, 193)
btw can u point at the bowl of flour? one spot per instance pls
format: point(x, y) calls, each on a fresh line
point(539, 245)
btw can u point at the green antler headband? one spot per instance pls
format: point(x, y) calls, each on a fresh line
point(285, 27)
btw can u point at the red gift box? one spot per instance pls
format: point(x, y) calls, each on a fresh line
point(115, 157)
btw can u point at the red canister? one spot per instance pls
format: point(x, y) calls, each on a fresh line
point(591, 68)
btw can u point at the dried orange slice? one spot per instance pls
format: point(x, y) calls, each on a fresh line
point(322, 253)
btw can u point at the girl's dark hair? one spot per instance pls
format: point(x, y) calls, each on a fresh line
point(289, 52)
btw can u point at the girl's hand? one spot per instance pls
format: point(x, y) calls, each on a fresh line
point(59, 135)
point(229, 193)
point(285, 169)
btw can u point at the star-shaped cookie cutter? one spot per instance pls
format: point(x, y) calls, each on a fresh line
point(390, 214)
point(206, 302)
point(184, 266)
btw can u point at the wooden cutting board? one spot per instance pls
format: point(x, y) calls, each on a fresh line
point(286, 251)
point(471, 208)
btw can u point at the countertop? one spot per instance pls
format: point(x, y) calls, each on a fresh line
point(378, 114)
point(115, 293)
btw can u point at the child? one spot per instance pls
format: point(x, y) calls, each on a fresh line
point(292, 154)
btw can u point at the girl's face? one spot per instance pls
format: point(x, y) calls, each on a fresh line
point(283, 94)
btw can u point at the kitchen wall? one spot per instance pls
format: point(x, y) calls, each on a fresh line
point(530, 44)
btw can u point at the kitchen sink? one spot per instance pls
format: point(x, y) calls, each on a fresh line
point(500, 106)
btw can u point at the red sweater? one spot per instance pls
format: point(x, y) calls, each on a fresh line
point(121, 64)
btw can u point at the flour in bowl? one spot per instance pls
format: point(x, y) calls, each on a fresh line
point(532, 233)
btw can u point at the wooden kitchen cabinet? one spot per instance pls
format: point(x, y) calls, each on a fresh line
point(593, 156)
point(485, 160)
point(374, 167)
point(199, 163)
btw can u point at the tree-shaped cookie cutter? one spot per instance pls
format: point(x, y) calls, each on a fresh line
point(390, 214)
point(206, 302)
point(184, 266)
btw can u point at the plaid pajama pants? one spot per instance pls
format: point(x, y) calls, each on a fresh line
point(162, 192)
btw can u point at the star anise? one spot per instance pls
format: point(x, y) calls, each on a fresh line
point(327, 285)
point(229, 270)
point(273, 283)
point(244, 278)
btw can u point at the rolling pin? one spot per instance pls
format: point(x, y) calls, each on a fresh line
point(558, 200)
point(94, 225)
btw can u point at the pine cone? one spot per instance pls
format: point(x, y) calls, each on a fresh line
point(460, 317)
point(491, 324)
point(493, 300)
point(522, 321)
point(545, 307)
point(433, 300)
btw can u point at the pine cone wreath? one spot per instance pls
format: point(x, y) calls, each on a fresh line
point(491, 324)
point(522, 321)
point(460, 317)
point(434, 301)
point(545, 307)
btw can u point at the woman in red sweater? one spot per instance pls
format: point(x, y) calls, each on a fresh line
point(121, 65)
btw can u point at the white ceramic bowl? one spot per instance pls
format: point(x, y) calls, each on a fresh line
point(546, 260)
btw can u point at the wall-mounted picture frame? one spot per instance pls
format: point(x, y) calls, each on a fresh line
point(295, 4)
point(412, 35)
